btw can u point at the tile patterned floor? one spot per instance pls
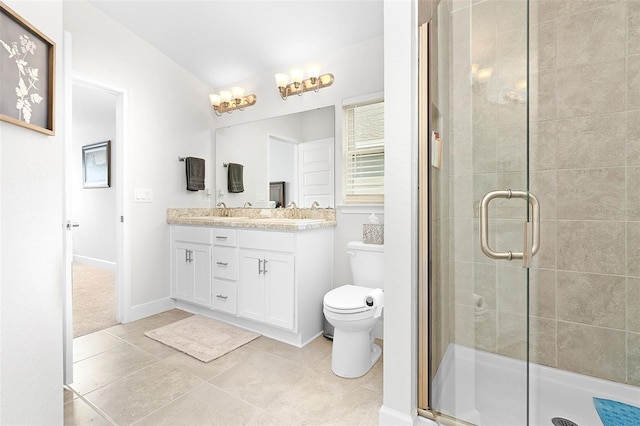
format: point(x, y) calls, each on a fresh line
point(121, 377)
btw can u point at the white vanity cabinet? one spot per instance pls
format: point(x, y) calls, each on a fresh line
point(271, 281)
point(191, 264)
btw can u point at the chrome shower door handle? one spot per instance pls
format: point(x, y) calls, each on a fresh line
point(531, 229)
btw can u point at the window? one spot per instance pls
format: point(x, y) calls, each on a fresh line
point(364, 152)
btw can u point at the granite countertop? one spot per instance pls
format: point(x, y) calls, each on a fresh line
point(289, 218)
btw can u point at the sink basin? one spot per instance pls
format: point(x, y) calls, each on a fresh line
point(217, 218)
point(286, 220)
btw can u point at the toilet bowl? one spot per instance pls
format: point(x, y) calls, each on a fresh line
point(354, 351)
point(354, 310)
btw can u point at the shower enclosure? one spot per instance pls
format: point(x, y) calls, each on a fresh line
point(529, 210)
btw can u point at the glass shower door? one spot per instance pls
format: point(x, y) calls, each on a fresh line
point(477, 214)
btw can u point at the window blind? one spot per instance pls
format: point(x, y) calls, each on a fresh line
point(364, 159)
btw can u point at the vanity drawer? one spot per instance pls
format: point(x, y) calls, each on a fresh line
point(224, 237)
point(224, 296)
point(267, 240)
point(192, 234)
point(225, 263)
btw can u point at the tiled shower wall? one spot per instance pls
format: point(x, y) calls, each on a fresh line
point(585, 169)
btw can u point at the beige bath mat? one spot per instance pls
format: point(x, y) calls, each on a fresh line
point(203, 338)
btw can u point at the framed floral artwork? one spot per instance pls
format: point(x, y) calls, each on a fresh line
point(27, 82)
point(96, 165)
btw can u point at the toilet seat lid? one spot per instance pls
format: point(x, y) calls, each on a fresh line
point(349, 298)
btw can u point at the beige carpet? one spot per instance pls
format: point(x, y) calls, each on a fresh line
point(94, 299)
point(201, 337)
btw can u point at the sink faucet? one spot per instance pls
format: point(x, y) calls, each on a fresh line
point(221, 204)
point(315, 205)
point(296, 212)
point(247, 204)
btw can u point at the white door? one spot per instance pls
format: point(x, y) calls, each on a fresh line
point(67, 321)
point(316, 173)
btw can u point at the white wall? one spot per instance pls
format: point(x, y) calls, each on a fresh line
point(314, 124)
point(31, 166)
point(168, 115)
point(400, 347)
point(94, 120)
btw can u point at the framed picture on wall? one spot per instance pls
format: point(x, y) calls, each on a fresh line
point(27, 59)
point(96, 165)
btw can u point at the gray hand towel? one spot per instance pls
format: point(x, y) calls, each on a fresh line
point(234, 177)
point(195, 173)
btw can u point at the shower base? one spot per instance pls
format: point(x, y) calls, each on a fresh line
point(490, 390)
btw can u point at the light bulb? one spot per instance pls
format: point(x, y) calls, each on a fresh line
point(282, 79)
point(215, 99)
point(296, 75)
point(238, 92)
point(314, 71)
point(225, 95)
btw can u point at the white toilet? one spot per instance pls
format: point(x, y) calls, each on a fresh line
point(354, 310)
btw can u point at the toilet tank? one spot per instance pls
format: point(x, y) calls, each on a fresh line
point(367, 264)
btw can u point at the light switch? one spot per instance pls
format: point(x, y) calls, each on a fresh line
point(142, 195)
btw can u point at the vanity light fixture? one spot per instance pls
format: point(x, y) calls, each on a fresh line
point(295, 84)
point(228, 101)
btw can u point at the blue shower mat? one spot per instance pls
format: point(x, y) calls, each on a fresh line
point(614, 413)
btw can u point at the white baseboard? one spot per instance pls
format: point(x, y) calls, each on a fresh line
point(151, 308)
point(390, 417)
point(312, 339)
point(98, 263)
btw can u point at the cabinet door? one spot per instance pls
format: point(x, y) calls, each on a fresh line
point(279, 284)
point(201, 256)
point(192, 269)
point(251, 285)
point(183, 272)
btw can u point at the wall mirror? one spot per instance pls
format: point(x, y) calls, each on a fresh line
point(284, 159)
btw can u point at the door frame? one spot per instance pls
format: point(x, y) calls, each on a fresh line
point(293, 189)
point(123, 269)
